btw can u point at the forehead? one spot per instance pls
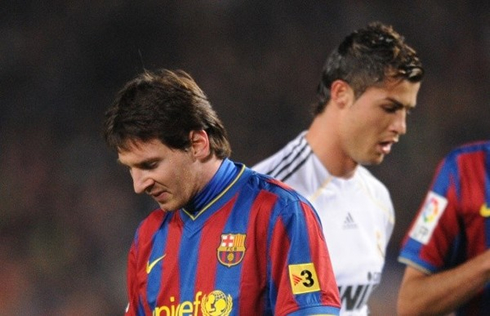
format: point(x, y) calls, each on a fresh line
point(399, 91)
point(136, 150)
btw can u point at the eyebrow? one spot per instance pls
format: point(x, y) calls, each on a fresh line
point(142, 164)
point(401, 105)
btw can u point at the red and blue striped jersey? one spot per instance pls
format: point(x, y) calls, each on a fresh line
point(256, 248)
point(453, 223)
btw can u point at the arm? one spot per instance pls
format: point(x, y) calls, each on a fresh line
point(301, 270)
point(445, 291)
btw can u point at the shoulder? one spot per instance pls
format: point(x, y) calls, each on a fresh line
point(288, 159)
point(268, 185)
point(477, 147)
point(146, 230)
point(464, 157)
point(150, 224)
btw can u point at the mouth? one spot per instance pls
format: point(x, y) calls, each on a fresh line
point(385, 147)
point(159, 196)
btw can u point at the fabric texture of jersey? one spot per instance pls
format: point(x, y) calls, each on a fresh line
point(453, 223)
point(357, 217)
point(256, 248)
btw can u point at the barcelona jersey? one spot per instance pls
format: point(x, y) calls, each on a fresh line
point(453, 223)
point(249, 246)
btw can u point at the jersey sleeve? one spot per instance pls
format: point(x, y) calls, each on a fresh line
point(434, 232)
point(131, 309)
point(302, 278)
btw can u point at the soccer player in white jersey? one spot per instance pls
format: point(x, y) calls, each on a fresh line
point(369, 84)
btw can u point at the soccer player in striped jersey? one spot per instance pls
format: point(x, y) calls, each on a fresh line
point(446, 247)
point(369, 84)
point(225, 240)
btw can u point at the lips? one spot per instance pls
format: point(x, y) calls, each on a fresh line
point(385, 147)
point(159, 196)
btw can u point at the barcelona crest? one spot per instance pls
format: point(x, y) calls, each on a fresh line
point(231, 249)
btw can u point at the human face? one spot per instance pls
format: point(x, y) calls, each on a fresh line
point(169, 175)
point(372, 123)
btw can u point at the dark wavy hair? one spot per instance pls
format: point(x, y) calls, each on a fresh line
point(367, 57)
point(166, 105)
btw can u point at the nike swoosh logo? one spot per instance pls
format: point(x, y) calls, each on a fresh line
point(150, 266)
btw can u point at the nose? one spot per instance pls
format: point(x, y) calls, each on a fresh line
point(141, 182)
point(399, 125)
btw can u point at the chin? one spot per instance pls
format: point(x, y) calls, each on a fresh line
point(164, 207)
point(373, 161)
point(378, 161)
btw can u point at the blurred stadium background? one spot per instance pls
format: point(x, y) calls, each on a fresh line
point(68, 213)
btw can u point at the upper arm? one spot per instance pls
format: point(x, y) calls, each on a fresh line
point(410, 279)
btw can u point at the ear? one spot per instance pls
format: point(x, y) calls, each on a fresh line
point(199, 143)
point(341, 93)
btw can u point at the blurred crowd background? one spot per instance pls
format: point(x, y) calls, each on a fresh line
point(68, 212)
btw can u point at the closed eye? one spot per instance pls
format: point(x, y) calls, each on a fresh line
point(148, 165)
point(144, 165)
point(395, 106)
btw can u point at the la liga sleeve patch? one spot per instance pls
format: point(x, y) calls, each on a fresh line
point(432, 210)
point(303, 278)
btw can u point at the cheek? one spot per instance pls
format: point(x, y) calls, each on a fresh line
point(359, 126)
point(373, 122)
point(180, 175)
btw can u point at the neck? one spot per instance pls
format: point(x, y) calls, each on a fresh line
point(326, 142)
point(223, 176)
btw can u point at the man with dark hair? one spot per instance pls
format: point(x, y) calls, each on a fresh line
point(368, 85)
point(225, 239)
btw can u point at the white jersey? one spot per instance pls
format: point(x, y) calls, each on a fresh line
point(357, 217)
